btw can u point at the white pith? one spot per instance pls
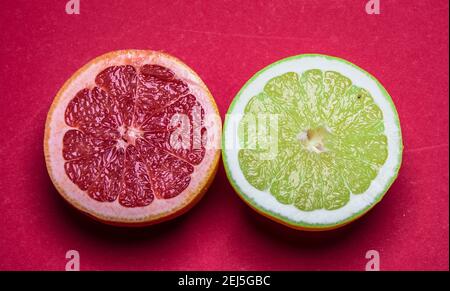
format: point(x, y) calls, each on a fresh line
point(113, 211)
point(263, 199)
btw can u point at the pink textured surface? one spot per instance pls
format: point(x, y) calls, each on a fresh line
point(406, 48)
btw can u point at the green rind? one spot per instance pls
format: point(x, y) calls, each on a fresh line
point(295, 224)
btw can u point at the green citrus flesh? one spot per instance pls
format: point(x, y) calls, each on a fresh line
point(312, 140)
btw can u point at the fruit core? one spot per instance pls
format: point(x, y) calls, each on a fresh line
point(314, 139)
point(128, 136)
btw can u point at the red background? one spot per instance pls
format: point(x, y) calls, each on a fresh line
point(226, 42)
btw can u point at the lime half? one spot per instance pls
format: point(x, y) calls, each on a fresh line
point(312, 142)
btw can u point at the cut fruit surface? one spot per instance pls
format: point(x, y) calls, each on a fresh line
point(133, 138)
point(312, 141)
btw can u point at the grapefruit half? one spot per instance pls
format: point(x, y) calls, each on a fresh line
point(312, 142)
point(133, 138)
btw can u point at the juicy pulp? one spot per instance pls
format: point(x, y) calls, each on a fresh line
point(329, 140)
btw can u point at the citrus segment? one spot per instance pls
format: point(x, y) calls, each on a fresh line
point(178, 129)
point(137, 186)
